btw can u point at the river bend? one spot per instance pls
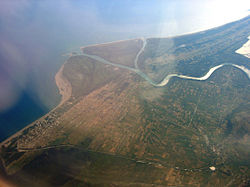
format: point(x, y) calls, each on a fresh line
point(165, 81)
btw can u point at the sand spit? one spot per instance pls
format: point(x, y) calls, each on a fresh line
point(65, 88)
point(245, 49)
point(107, 43)
point(63, 85)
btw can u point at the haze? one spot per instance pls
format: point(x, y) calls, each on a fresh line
point(35, 34)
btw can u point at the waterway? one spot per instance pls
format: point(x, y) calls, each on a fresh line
point(165, 80)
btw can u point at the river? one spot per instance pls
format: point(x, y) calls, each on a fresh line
point(165, 81)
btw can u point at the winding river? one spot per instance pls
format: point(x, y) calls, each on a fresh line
point(165, 81)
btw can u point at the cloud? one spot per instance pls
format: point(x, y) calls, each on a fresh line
point(12, 8)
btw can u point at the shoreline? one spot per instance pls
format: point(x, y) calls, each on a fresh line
point(107, 43)
point(245, 49)
point(169, 36)
point(63, 85)
point(65, 90)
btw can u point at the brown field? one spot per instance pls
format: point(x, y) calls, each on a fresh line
point(113, 128)
point(121, 52)
point(86, 74)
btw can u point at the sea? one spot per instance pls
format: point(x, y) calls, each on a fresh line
point(35, 35)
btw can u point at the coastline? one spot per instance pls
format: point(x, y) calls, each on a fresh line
point(106, 43)
point(65, 90)
point(63, 85)
point(245, 49)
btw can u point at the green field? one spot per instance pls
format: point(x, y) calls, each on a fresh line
point(117, 129)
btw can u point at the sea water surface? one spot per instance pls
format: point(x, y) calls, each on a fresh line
point(34, 35)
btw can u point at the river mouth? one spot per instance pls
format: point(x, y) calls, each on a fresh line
point(244, 50)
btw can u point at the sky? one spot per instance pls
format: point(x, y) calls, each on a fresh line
point(151, 17)
point(35, 33)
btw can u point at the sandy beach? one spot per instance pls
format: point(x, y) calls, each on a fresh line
point(107, 43)
point(63, 85)
point(245, 49)
point(65, 91)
